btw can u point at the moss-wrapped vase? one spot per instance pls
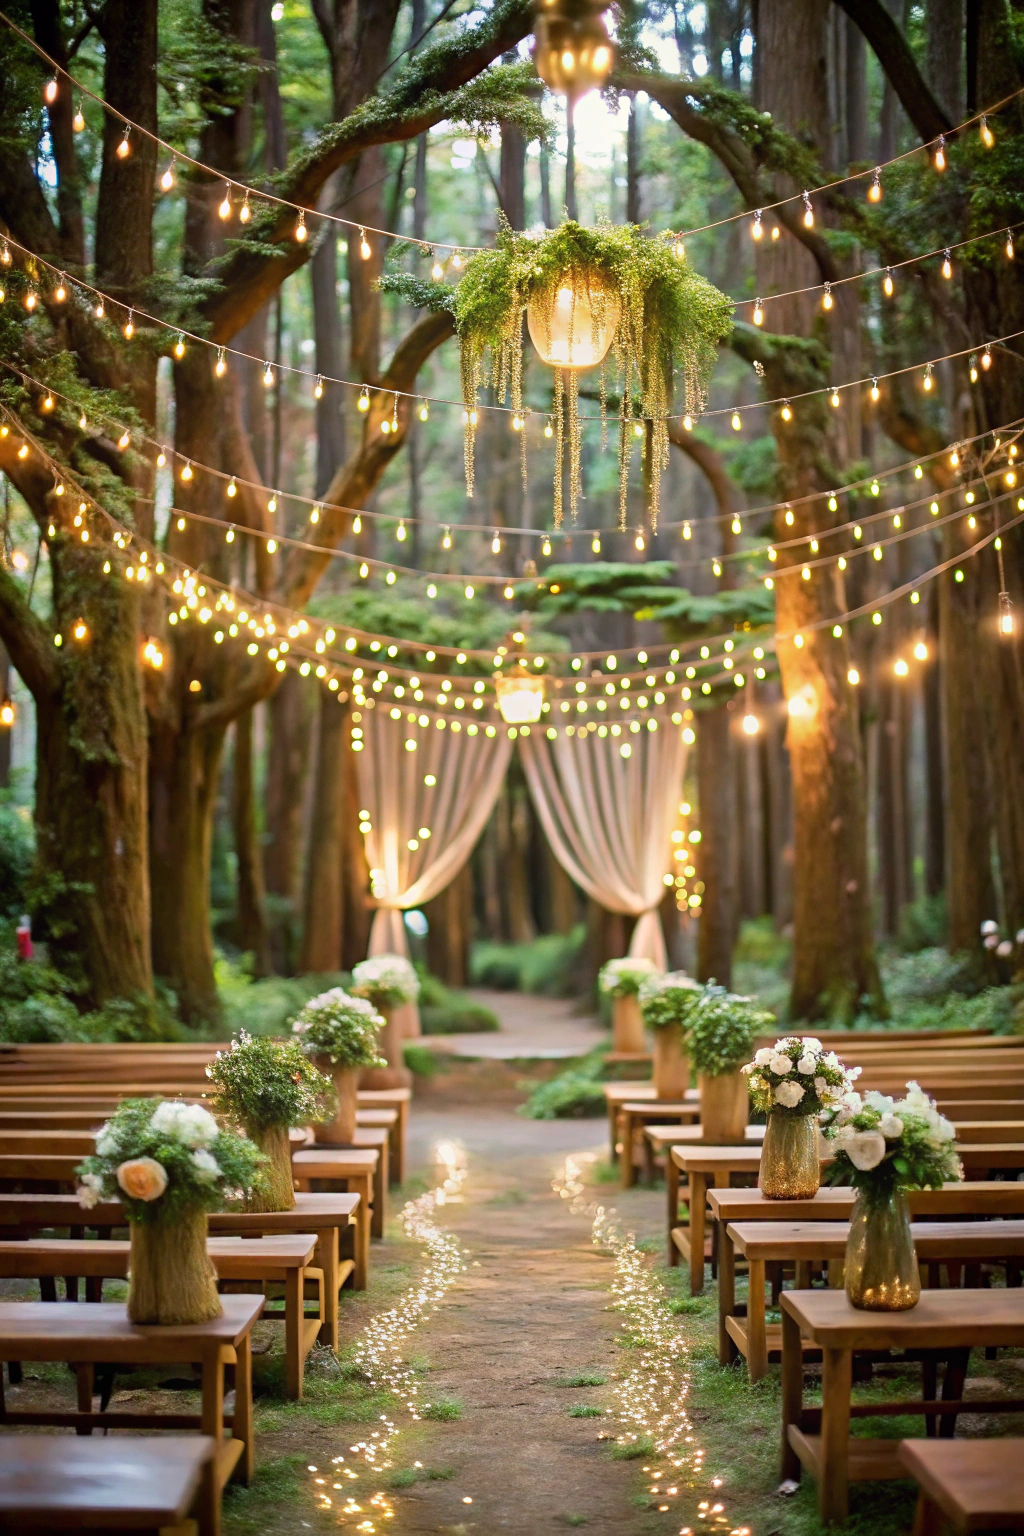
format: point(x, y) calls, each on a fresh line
point(171, 1280)
point(275, 1190)
point(340, 1130)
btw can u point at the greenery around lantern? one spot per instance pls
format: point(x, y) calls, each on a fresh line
point(386, 980)
point(669, 1000)
point(722, 1030)
point(342, 1028)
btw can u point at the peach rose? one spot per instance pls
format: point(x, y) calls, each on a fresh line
point(142, 1178)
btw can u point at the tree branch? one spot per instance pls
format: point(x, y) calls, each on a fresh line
point(893, 53)
point(28, 640)
point(354, 482)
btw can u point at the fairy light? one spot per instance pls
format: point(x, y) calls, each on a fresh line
point(129, 325)
point(756, 229)
point(1005, 614)
point(78, 121)
point(986, 358)
point(446, 538)
point(595, 544)
point(888, 286)
point(301, 232)
point(939, 160)
point(758, 312)
point(365, 249)
point(787, 411)
point(926, 382)
point(827, 300)
point(124, 148)
point(737, 422)
point(220, 367)
point(639, 542)
point(875, 391)
point(875, 189)
point(1009, 245)
point(318, 387)
point(947, 264)
point(545, 548)
point(808, 211)
point(224, 210)
point(31, 300)
point(436, 270)
point(167, 179)
point(985, 133)
point(363, 403)
point(833, 399)
point(60, 293)
point(99, 310)
point(245, 212)
point(179, 347)
point(357, 524)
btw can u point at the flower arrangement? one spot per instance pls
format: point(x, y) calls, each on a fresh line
point(884, 1146)
point(722, 1031)
point(262, 1082)
point(341, 1027)
point(798, 1076)
point(669, 999)
point(623, 977)
point(163, 1157)
point(386, 980)
point(629, 293)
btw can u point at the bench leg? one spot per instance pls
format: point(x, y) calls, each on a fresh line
point(85, 1375)
point(927, 1517)
point(672, 1199)
point(792, 1394)
point(836, 1382)
point(757, 1335)
point(726, 1295)
point(241, 1424)
point(294, 1294)
point(327, 1257)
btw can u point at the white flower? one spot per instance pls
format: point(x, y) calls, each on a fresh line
point(386, 973)
point(807, 1064)
point(90, 1190)
point(206, 1165)
point(189, 1123)
point(865, 1149)
point(890, 1126)
point(843, 1134)
point(756, 1082)
point(789, 1094)
point(945, 1129)
point(763, 1057)
point(811, 1043)
point(781, 1065)
point(629, 970)
point(989, 926)
point(820, 1087)
point(880, 1101)
point(106, 1141)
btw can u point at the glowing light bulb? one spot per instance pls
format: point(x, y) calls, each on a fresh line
point(808, 212)
point(827, 300)
point(758, 312)
point(926, 382)
point(457, 260)
point(224, 210)
point(639, 541)
point(400, 531)
point(888, 286)
point(787, 411)
point(1009, 245)
point(545, 548)
point(179, 347)
point(50, 90)
point(129, 326)
point(687, 423)
point(31, 300)
point(245, 212)
point(124, 148)
point(1005, 614)
point(220, 367)
point(446, 539)
point(756, 231)
point(424, 412)
point(736, 421)
point(187, 472)
point(939, 161)
point(900, 667)
point(875, 189)
point(99, 311)
point(60, 293)
point(365, 249)
point(947, 265)
point(301, 232)
point(496, 545)
point(436, 271)
point(232, 490)
point(167, 179)
point(318, 387)
point(751, 725)
point(853, 677)
point(595, 544)
point(921, 650)
point(78, 121)
point(986, 359)
point(986, 134)
point(875, 391)
point(124, 440)
point(268, 375)
point(363, 402)
point(834, 399)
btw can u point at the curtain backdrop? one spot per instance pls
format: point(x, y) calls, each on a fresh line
point(609, 817)
point(408, 868)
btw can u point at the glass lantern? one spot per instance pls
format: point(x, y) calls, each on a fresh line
point(576, 327)
point(520, 697)
point(571, 50)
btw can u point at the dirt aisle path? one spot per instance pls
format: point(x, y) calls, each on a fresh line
point(530, 1311)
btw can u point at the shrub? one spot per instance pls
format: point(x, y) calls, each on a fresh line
point(669, 1000)
point(341, 1027)
point(262, 1082)
point(17, 844)
point(548, 966)
point(444, 1011)
point(574, 1094)
point(722, 1031)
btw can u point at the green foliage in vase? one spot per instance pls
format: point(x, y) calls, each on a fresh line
point(665, 318)
point(722, 1031)
point(341, 1027)
point(387, 980)
point(670, 1000)
point(262, 1082)
point(624, 977)
point(164, 1157)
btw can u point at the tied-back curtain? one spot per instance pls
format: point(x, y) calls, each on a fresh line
point(422, 833)
point(609, 817)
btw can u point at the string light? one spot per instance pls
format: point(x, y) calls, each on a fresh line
point(365, 249)
point(6, 712)
point(875, 189)
point(787, 411)
point(947, 265)
point(436, 270)
point(179, 347)
point(318, 387)
point(78, 121)
point(60, 293)
point(224, 209)
point(756, 230)
point(245, 212)
point(827, 300)
point(808, 211)
point(926, 382)
point(985, 133)
point(834, 399)
point(737, 422)
point(758, 312)
point(167, 179)
point(129, 325)
point(888, 286)
point(940, 153)
point(424, 412)
point(268, 375)
point(1009, 245)
point(1005, 614)
point(875, 391)
point(986, 359)
point(220, 367)
point(364, 399)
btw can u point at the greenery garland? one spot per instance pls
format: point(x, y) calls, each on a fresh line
point(669, 318)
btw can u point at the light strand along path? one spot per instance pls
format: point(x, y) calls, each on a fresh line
point(532, 1308)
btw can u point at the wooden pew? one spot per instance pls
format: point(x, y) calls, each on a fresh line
point(975, 1485)
point(50, 1483)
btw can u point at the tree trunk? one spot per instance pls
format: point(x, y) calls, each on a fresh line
point(716, 802)
point(184, 768)
point(287, 766)
point(5, 730)
point(358, 913)
point(330, 408)
point(323, 922)
point(633, 206)
point(570, 159)
point(450, 916)
point(945, 20)
point(935, 810)
point(252, 918)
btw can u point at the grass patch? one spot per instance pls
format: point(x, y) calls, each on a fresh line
point(582, 1379)
point(444, 1409)
point(585, 1411)
point(572, 1519)
point(632, 1450)
point(276, 1486)
point(405, 1477)
point(440, 1474)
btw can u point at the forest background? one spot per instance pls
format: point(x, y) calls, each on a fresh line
point(186, 838)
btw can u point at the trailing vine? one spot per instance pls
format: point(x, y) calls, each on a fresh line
point(669, 318)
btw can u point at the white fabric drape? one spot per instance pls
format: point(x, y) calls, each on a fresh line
point(422, 834)
point(609, 817)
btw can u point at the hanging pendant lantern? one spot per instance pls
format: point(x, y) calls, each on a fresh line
point(574, 327)
point(520, 697)
point(571, 50)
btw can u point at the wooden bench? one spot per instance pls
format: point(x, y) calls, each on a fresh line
point(261, 1261)
point(124, 1483)
point(637, 1114)
point(352, 1172)
point(88, 1336)
point(975, 1485)
point(950, 1323)
point(805, 1244)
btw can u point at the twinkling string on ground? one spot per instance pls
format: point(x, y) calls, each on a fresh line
point(651, 1396)
point(379, 1355)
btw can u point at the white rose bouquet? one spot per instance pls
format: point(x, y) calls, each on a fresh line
point(163, 1157)
point(885, 1146)
point(624, 977)
point(342, 1028)
point(387, 980)
point(798, 1076)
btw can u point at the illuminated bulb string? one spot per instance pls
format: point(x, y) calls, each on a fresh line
point(379, 1355)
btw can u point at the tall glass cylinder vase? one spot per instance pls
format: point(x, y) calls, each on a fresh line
point(789, 1159)
point(881, 1273)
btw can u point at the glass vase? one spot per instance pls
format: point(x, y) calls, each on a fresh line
point(789, 1159)
point(881, 1264)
